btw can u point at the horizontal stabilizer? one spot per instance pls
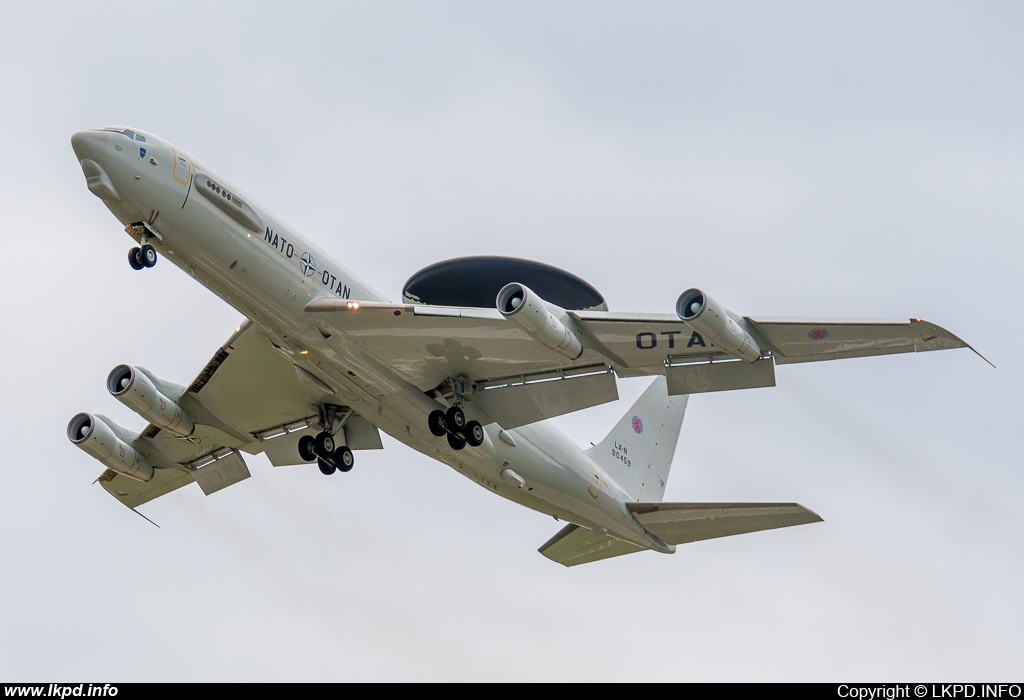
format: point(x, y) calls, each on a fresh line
point(575, 545)
point(675, 523)
point(679, 523)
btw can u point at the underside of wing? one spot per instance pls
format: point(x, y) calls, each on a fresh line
point(247, 391)
point(132, 492)
point(813, 340)
point(427, 344)
point(715, 351)
point(511, 377)
point(249, 398)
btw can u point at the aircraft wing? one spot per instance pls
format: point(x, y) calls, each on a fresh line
point(248, 398)
point(520, 380)
point(639, 339)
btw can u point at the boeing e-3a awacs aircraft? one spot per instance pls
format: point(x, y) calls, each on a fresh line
point(465, 369)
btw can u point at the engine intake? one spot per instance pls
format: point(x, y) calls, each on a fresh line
point(711, 320)
point(521, 305)
point(136, 389)
point(95, 436)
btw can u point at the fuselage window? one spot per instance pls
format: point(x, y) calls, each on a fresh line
point(218, 189)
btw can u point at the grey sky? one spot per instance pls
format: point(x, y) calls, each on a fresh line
point(797, 159)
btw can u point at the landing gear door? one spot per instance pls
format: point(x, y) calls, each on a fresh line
point(181, 171)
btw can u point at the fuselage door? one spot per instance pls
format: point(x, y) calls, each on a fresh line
point(181, 171)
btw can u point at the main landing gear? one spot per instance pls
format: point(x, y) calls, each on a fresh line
point(322, 448)
point(453, 424)
point(328, 457)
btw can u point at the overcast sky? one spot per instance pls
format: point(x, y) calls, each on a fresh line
point(792, 159)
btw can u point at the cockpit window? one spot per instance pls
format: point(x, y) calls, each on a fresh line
point(127, 132)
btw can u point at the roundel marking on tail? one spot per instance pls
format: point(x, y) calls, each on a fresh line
point(638, 425)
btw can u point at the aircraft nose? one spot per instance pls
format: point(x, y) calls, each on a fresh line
point(88, 144)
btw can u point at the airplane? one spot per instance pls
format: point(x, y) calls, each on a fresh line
point(466, 369)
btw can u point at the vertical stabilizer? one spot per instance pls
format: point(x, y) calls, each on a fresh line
point(638, 451)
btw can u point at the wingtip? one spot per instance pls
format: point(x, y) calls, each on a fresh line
point(964, 344)
point(817, 518)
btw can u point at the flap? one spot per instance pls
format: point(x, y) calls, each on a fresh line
point(679, 523)
point(523, 400)
point(222, 472)
point(361, 434)
point(574, 545)
point(281, 445)
point(697, 377)
point(283, 450)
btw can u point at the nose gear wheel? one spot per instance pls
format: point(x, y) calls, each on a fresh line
point(147, 254)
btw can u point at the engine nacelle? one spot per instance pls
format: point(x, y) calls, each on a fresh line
point(711, 320)
point(521, 305)
point(95, 436)
point(134, 388)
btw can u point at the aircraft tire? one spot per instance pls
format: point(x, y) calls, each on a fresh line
point(456, 442)
point(474, 433)
point(307, 448)
point(148, 255)
point(456, 418)
point(326, 468)
point(324, 445)
point(344, 458)
point(436, 423)
point(135, 258)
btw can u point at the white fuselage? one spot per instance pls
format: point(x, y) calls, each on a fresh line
point(271, 274)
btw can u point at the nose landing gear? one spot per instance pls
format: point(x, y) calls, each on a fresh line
point(142, 257)
point(145, 255)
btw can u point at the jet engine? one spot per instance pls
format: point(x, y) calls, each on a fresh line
point(136, 389)
point(96, 437)
point(711, 320)
point(519, 304)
